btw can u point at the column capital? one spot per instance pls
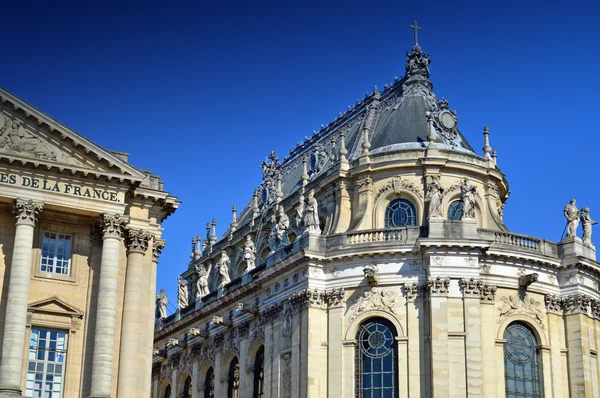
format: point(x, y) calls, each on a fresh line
point(157, 246)
point(112, 225)
point(137, 240)
point(26, 211)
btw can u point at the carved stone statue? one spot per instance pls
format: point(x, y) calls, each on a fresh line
point(467, 196)
point(249, 253)
point(586, 223)
point(311, 213)
point(572, 215)
point(182, 293)
point(435, 192)
point(280, 223)
point(202, 282)
point(224, 269)
point(371, 272)
point(161, 305)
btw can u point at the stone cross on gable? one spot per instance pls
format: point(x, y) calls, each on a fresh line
point(416, 29)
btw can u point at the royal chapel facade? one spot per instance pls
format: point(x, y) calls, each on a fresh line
point(373, 261)
point(80, 235)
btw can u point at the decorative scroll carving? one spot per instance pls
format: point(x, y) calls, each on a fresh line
point(411, 290)
point(137, 240)
point(438, 285)
point(554, 304)
point(375, 299)
point(512, 305)
point(576, 304)
point(27, 211)
point(397, 184)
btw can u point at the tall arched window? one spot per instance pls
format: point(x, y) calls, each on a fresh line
point(400, 213)
point(259, 373)
point(376, 359)
point(187, 388)
point(209, 383)
point(521, 362)
point(455, 210)
point(233, 388)
point(168, 391)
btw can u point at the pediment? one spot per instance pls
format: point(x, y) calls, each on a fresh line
point(30, 136)
point(54, 305)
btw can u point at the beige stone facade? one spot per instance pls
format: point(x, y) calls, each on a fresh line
point(452, 304)
point(76, 221)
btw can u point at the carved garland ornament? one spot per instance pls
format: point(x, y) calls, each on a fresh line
point(375, 299)
point(397, 184)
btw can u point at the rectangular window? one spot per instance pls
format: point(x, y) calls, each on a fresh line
point(56, 253)
point(46, 363)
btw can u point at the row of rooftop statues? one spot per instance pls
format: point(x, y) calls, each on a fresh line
point(574, 216)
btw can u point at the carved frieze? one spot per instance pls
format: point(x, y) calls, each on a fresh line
point(14, 138)
point(375, 299)
point(438, 285)
point(576, 304)
point(528, 306)
point(27, 211)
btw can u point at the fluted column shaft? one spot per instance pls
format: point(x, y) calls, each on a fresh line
point(137, 242)
point(106, 312)
point(13, 341)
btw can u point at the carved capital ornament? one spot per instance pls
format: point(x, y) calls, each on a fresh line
point(137, 240)
point(27, 211)
point(112, 225)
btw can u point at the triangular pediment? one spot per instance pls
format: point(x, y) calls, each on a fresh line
point(30, 136)
point(54, 305)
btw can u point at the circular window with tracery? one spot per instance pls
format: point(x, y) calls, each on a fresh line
point(376, 339)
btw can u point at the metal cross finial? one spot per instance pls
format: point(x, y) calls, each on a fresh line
point(416, 29)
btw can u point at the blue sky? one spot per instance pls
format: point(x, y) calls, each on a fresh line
point(200, 92)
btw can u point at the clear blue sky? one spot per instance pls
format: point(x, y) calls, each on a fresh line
point(201, 92)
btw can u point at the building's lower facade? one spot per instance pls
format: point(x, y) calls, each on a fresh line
point(80, 234)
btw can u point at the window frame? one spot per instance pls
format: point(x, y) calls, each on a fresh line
point(55, 259)
point(209, 388)
point(258, 380)
point(233, 379)
point(455, 206)
point(536, 361)
point(46, 363)
point(389, 214)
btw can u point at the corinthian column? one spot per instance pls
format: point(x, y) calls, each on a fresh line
point(137, 245)
point(13, 342)
point(104, 338)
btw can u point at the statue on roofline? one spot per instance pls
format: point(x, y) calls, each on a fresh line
point(182, 293)
point(435, 192)
point(202, 282)
point(467, 197)
point(224, 269)
point(311, 213)
point(572, 215)
point(161, 305)
point(586, 223)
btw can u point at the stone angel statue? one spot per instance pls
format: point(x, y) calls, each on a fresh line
point(224, 269)
point(467, 196)
point(249, 253)
point(202, 282)
point(182, 293)
point(161, 305)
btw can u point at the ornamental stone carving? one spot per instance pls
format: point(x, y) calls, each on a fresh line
point(576, 304)
point(572, 215)
point(286, 382)
point(435, 193)
point(27, 211)
point(271, 313)
point(219, 341)
point(554, 304)
point(307, 298)
point(467, 197)
point(487, 293)
point(595, 305)
point(157, 247)
point(156, 369)
point(244, 329)
point(257, 331)
point(512, 305)
point(335, 297)
point(586, 224)
point(271, 170)
point(397, 184)
point(371, 272)
point(202, 281)
point(310, 217)
point(438, 286)
point(137, 240)
point(15, 139)
point(471, 287)
point(280, 223)
point(161, 305)
point(286, 327)
point(375, 299)
point(112, 225)
point(411, 290)
point(182, 293)
point(231, 342)
point(207, 352)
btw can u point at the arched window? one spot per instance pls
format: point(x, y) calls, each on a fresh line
point(521, 362)
point(233, 388)
point(187, 388)
point(209, 383)
point(400, 213)
point(259, 373)
point(168, 391)
point(455, 210)
point(376, 359)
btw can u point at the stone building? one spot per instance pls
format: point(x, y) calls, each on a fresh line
point(373, 261)
point(80, 235)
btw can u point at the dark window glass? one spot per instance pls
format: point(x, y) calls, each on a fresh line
point(233, 388)
point(400, 213)
point(209, 383)
point(168, 391)
point(455, 210)
point(187, 388)
point(376, 360)
point(259, 373)
point(521, 363)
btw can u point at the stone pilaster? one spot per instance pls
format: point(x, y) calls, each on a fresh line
point(473, 340)
point(413, 293)
point(554, 313)
point(13, 341)
point(137, 245)
point(106, 311)
point(487, 295)
point(335, 312)
point(577, 336)
point(438, 291)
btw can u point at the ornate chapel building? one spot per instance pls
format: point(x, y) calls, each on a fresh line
point(373, 261)
point(80, 235)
